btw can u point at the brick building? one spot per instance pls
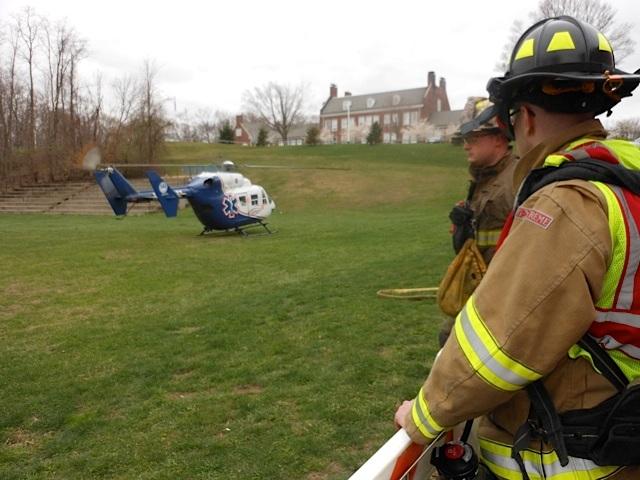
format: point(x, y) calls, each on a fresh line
point(246, 133)
point(406, 116)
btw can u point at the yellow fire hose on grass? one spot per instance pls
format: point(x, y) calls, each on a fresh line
point(426, 293)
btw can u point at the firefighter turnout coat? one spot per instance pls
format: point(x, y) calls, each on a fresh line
point(567, 266)
point(491, 202)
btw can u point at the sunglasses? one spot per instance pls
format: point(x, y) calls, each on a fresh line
point(515, 110)
point(475, 138)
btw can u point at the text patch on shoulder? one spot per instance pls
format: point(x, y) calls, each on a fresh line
point(534, 216)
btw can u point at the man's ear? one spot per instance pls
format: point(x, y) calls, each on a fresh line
point(528, 119)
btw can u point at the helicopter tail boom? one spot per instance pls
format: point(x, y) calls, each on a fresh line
point(166, 195)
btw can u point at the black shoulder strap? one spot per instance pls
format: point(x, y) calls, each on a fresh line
point(604, 362)
point(584, 169)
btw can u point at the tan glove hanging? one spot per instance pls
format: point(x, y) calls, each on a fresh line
point(461, 278)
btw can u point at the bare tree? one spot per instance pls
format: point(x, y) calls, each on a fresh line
point(28, 29)
point(49, 116)
point(206, 125)
point(150, 120)
point(598, 13)
point(279, 106)
point(77, 51)
point(9, 89)
point(96, 101)
point(628, 129)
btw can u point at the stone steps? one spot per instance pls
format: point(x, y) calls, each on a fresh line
point(84, 198)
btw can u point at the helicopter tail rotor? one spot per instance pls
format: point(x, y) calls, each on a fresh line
point(166, 195)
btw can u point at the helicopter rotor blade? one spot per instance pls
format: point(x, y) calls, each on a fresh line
point(291, 167)
point(91, 159)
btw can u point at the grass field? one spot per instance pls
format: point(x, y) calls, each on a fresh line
point(136, 349)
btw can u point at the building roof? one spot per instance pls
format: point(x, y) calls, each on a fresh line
point(441, 119)
point(375, 101)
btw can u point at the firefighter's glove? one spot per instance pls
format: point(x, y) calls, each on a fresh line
point(461, 215)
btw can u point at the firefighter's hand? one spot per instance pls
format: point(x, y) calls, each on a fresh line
point(402, 412)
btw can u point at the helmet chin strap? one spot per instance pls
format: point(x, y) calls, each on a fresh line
point(504, 122)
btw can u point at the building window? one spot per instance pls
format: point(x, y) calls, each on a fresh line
point(387, 119)
point(362, 119)
point(439, 102)
point(386, 138)
point(371, 102)
point(394, 137)
point(238, 132)
point(366, 120)
point(351, 123)
point(331, 124)
point(394, 118)
point(409, 138)
point(395, 100)
point(409, 118)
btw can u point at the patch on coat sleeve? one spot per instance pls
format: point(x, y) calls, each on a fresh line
point(534, 216)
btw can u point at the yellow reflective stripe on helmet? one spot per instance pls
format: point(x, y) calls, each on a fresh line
point(603, 43)
point(525, 50)
point(539, 465)
point(619, 247)
point(485, 354)
point(561, 41)
point(487, 238)
point(423, 419)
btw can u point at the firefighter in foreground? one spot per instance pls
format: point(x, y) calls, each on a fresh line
point(489, 198)
point(547, 348)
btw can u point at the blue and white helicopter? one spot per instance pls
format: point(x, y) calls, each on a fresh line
point(222, 200)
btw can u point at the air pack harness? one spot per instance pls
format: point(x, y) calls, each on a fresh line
point(609, 433)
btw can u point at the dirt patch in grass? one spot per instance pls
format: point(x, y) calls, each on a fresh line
point(248, 390)
point(179, 376)
point(20, 438)
point(176, 396)
point(332, 469)
point(187, 330)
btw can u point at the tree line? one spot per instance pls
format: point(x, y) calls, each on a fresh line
point(49, 115)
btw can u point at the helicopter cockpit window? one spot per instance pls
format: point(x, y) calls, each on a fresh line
point(243, 200)
point(208, 182)
point(265, 200)
point(254, 199)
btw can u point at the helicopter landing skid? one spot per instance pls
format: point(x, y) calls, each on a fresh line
point(244, 231)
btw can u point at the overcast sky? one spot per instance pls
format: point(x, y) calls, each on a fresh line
point(209, 53)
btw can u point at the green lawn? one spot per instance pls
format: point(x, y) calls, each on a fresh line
point(135, 348)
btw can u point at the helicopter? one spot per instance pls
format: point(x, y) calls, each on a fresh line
point(222, 200)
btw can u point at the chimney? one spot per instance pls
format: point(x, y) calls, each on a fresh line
point(443, 83)
point(431, 79)
point(347, 94)
point(238, 120)
point(333, 91)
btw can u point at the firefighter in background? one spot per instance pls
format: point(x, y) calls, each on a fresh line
point(491, 193)
point(490, 196)
point(546, 347)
